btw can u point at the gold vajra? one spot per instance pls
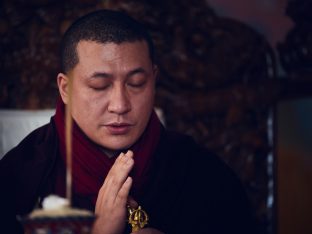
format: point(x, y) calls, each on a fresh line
point(137, 218)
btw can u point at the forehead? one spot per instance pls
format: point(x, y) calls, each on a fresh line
point(114, 59)
point(112, 51)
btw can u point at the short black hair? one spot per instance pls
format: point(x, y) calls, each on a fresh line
point(103, 26)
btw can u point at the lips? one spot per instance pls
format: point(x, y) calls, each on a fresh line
point(118, 128)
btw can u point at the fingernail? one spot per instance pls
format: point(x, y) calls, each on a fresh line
point(128, 181)
point(129, 153)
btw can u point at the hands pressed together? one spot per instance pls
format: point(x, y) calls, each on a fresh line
point(113, 199)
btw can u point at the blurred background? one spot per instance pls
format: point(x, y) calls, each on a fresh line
point(236, 75)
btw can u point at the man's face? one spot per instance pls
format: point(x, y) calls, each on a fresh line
point(112, 92)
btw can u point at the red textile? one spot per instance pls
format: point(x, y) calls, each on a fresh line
point(90, 165)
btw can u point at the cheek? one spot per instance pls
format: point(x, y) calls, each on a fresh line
point(142, 107)
point(85, 107)
point(143, 102)
point(87, 99)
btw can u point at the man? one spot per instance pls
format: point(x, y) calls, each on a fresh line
point(122, 155)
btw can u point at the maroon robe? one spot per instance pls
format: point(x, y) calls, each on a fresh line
point(189, 189)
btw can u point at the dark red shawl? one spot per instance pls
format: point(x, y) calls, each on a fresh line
point(90, 165)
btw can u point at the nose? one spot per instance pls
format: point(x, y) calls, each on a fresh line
point(119, 101)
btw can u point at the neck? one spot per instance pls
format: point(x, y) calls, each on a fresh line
point(111, 153)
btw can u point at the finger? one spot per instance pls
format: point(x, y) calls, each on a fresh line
point(117, 176)
point(117, 161)
point(121, 161)
point(129, 153)
point(120, 171)
point(124, 156)
point(123, 193)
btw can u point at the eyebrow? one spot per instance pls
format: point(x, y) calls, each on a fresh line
point(107, 75)
point(136, 71)
point(100, 75)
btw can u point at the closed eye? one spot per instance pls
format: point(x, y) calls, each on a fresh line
point(99, 84)
point(137, 78)
point(98, 88)
point(100, 81)
point(136, 85)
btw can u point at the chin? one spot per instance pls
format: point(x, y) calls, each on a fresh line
point(118, 143)
point(116, 147)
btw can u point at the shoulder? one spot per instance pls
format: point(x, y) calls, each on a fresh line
point(183, 147)
point(182, 154)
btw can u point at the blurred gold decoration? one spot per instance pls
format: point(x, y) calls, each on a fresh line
point(137, 218)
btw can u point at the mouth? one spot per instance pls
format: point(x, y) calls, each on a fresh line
point(118, 128)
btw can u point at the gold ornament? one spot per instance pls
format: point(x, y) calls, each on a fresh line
point(137, 218)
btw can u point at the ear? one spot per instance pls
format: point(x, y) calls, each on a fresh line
point(63, 86)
